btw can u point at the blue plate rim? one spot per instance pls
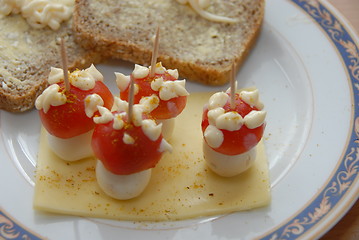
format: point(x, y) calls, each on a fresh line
point(341, 183)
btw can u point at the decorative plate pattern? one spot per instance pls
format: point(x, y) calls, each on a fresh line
point(10, 229)
point(347, 172)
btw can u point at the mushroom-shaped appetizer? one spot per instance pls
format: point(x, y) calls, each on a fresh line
point(127, 148)
point(164, 85)
point(67, 114)
point(232, 132)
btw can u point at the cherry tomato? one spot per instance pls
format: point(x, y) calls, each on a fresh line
point(120, 158)
point(70, 120)
point(166, 109)
point(242, 140)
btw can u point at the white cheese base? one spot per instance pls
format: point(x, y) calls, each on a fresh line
point(71, 149)
point(168, 126)
point(122, 187)
point(228, 165)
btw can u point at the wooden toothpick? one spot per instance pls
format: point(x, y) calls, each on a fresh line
point(233, 86)
point(65, 65)
point(155, 52)
point(131, 99)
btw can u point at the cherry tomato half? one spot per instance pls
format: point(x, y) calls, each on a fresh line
point(70, 120)
point(120, 158)
point(242, 140)
point(166, 109)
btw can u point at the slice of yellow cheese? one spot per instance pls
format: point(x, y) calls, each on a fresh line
point(181, 186)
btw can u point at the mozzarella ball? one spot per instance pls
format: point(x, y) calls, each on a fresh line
point(122, 187)
point(167, 127)
point(71, 149)
point(228, 165)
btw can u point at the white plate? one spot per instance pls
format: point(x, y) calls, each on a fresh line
point(306, 65)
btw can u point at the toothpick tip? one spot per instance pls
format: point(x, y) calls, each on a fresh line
point(65, 64)
point(131, 99)
point(155, 52)
point(233, 85)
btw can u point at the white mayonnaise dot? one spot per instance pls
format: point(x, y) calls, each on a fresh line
point(214, 114)
point(156, 84)
point(213, 136)
point(231, 121)
point(127, 139)
point(173, 89)
point(173, 73)
point(105, 116)
point(140, 71)
point(165, 146)
point(119, 105)
point(83, 80)
point(122, 81)
point(56, 75)
point(254, 119)
point(151, 129)
point(50, 97)
point(42, 13)
point(159, 68)
point(218, 99)
point(94, 73)
point(91, 103)
point(169, 89)
point(137, 112)
point(118, 122)
point(149, 103)
point(251, 97)
point(136, 89)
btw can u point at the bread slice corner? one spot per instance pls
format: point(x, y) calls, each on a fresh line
point(26, 56)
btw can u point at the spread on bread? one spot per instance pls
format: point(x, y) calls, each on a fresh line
point(200, 5)
point(26, 56)
point(40, 13)
point(232, 132)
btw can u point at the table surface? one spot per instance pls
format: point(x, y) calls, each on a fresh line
point(348, 227)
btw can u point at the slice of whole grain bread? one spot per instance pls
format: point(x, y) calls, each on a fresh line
point(26, 55)
point(200, 49)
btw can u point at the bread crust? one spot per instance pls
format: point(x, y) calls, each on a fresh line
point(91, 33)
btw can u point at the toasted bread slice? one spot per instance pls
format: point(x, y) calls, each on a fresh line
point(202, 50)
point(26, 55)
